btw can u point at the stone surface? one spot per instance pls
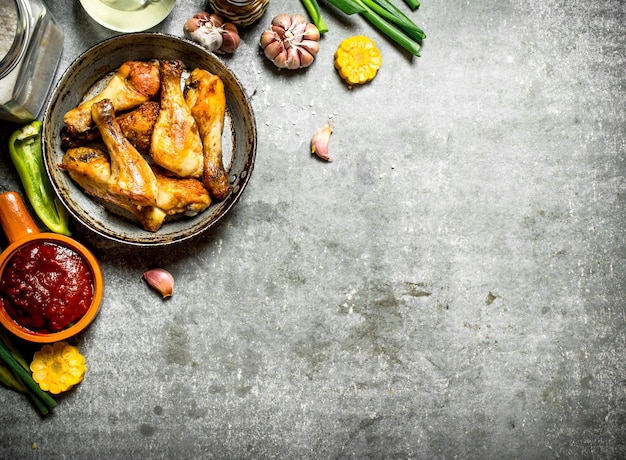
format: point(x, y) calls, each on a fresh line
point(451, 285)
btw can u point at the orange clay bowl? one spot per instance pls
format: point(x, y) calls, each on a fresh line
point(21, 230)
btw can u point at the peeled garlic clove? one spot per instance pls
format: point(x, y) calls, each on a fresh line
point(160, 280)
point(320, 140)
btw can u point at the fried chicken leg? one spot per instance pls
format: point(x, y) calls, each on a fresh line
point(207, 101)
point(136, 125)
point(131, 175)
point(134, 82)
point(90, 169)
point(176, 143)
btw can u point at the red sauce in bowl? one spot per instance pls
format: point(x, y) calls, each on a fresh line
point(46, 286)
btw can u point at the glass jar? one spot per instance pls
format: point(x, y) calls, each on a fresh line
point(31, 43)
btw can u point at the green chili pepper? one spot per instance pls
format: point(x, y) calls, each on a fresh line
point(26, 154)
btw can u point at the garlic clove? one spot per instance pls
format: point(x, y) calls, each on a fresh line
point(273, 50)
point(311, 46)
point(298, 20)
point(161, 280)
point(311, 32)
point(280, 60)
point(306, 58)
point(320, 140)
point(293, 58)
point(282, 21)
point(298, 32)
point(203, 16)
point(230, 41)
point(216, 20)
point(267, 38)
point(192, 25)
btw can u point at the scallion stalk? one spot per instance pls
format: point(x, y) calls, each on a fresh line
point(13, 350)
point(42, 400)
point(393, 32)
point(313, 8)
point(413, 4)
point(10, 380)
point(392, 13)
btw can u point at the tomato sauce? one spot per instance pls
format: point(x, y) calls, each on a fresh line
point(46, 287)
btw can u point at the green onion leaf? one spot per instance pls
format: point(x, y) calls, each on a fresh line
point(393, 33)
point(348, 7)
point(392, 13)
point(40, 398)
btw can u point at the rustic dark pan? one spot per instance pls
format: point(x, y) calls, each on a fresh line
point(239, 139)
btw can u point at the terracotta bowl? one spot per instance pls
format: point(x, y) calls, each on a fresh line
point(239, 139)
point(22, 231)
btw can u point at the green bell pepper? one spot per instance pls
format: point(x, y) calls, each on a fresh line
point(26, 154)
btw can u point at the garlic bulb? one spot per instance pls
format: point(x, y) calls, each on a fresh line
point(210, 31)
point(161, 280)
point(320, 140)
point(291, 42)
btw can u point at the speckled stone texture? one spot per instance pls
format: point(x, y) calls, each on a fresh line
point(451, 285)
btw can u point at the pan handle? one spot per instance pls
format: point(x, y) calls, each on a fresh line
point(15, 218)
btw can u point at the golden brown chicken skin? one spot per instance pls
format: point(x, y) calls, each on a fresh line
point(131, 175)
point(176, 143)
point(90, 169)
point(132, 84)
point(180, 196)
point(136, 125)
point(206, 99)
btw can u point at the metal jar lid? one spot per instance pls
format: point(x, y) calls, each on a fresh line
point(15, 23)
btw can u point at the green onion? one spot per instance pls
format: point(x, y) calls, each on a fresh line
point(392, 32)
point(413, 4)
point(8, 379)
point(389, 11)
point(401, 37)
point(348, 7)
point(13, 350)
point(40, 398)
point(313, 9)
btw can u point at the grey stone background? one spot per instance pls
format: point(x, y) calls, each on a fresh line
point(451, 285)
